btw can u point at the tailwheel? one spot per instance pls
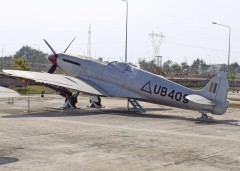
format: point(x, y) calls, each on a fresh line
point(205, 117)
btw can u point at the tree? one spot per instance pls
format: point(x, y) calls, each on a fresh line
point(195, 66)
point(223, 68)
point(199, 66)
point(184, 66)
point(204, 66)
point(21, 64)
point(33, 56)
point(234, 67)
point(150, 66)
point(167, 67)
point(176, 68)
point(233, 70)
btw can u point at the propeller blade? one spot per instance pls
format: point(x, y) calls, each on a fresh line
point(52, 69)
point(70, 44)
point(50, 47)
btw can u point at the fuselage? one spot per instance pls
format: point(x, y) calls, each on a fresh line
point(122, 77)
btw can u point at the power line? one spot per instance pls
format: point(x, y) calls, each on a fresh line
point(199, 47)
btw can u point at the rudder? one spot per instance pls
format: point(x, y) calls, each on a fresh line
point(217, 88)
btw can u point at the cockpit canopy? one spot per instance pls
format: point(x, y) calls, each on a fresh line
point(121, 66)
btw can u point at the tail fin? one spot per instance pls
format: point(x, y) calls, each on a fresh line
point(217, 89)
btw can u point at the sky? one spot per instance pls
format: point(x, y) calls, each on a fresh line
point(186, 25)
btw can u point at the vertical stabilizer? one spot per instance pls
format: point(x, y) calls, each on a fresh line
point(217, 89)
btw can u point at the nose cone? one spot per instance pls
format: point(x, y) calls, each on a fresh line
point(53, 59)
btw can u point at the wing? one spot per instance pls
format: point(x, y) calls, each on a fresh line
point(84, 85)
point(6, 92)
point(56, 80)
point(200, 100)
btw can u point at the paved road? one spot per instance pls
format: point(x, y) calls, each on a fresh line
point(163, 138)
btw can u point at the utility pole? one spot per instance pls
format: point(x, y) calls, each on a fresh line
point(126, 30)
point(229, 41)
point(156, 44)
point(89, 42)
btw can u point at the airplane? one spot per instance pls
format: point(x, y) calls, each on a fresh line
point(6, 92)
point(120, 79)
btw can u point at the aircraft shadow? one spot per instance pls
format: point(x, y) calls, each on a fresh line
point(55, 113)
point(58, 112)
point(7, 160)
point(174, 117)
point(212, 122)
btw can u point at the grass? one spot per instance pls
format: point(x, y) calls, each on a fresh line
point(33, 89)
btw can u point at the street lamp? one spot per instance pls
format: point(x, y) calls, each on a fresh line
point(126, 31)
point(228, 41)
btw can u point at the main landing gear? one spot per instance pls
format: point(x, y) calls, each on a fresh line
point(95, 102)
point(70, 101)
point(70, 98)
point(205, 117)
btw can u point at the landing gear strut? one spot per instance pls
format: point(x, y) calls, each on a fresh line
point(70, 98)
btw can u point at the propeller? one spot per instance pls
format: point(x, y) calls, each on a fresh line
point(69, 44)
point(52, 69)
point(53, 51)
point(53, 57)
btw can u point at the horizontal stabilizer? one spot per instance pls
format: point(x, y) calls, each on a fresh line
point(200, 100)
